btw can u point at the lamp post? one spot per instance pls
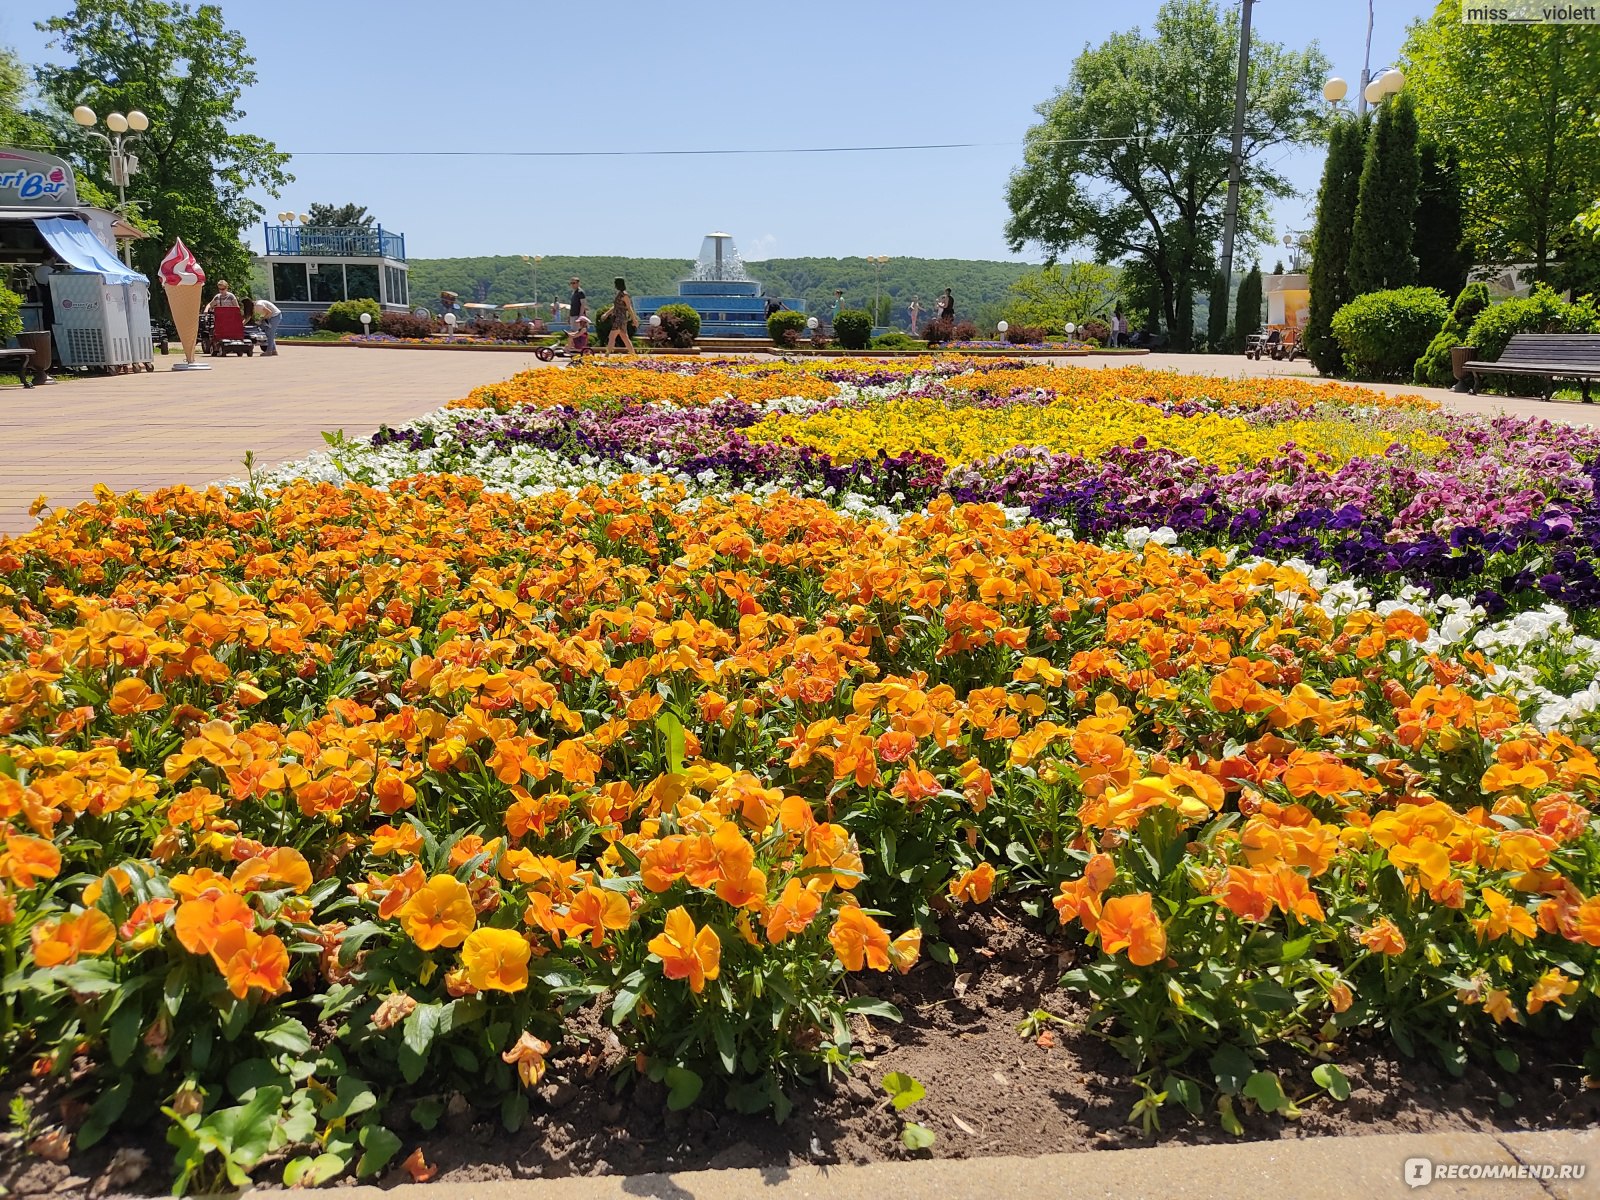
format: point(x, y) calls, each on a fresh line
point(1374, 89)
point(124, 164)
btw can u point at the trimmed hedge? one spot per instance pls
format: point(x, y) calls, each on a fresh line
point(785, 327)
point(1382, 334)
point(853, 328)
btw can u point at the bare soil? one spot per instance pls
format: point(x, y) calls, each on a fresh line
point(990, 1091)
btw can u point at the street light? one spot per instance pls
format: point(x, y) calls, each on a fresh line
point(124, 164)
point(1373, 88)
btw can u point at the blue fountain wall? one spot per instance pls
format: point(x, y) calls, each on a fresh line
point(726, 309)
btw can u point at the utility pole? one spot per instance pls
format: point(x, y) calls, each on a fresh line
point(1366, 68)
point(1230, 215)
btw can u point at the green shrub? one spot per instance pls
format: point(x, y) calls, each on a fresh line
point(1382, 334)
point(602, 325)
point(679, 327)
point(1542, 312)
point(898, 341)
point(853, 328)
point(10, 314)
point(1433, 368)
point(344, 316)
point(784, 327)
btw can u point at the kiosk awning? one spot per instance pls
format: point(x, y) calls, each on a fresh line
point(76, 242)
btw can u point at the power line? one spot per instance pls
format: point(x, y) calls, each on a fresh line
point(690, 153)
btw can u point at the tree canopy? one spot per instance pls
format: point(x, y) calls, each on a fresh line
point(187, 71)
point(1131, 157)
point(343, 216)
point(1330, 241)
point(1517, 106)
point(1063, 292)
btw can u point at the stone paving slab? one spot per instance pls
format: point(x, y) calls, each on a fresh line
point(144, 431)
point(1334, 1168)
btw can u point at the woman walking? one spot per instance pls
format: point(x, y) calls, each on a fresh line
point(622, 315)
point(915, 312)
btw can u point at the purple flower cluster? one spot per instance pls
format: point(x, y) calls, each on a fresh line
point(1508, 509)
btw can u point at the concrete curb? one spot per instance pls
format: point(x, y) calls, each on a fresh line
point(1338, 1168)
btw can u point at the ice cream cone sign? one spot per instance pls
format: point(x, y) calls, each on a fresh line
point(183, 278)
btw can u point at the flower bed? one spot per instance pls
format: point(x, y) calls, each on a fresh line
point(330, 806)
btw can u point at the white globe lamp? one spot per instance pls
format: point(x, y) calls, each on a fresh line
point(84, 115)
point(655, 320)
point(1002, 327)
point(1335, 90)
point(138, 122)
point(811, 322)
point(116, 122)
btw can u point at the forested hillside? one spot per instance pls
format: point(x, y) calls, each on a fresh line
point(503, 279)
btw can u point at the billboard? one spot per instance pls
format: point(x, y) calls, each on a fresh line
point(29, 179)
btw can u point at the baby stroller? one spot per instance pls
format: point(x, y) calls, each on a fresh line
point(227, 335)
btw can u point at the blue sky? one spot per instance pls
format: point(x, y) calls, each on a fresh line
point(567, 76)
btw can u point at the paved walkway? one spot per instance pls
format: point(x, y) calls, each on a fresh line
point(1334, 1168)
point(144, 431)
point(147, 430)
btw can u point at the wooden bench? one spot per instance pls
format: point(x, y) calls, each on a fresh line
point(20, 361)
point(1569, 356)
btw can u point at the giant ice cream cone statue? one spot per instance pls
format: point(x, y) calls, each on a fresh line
point(182, 277)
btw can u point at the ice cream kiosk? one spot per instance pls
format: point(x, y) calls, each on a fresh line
point(58, 254)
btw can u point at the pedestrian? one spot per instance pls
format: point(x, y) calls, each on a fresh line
point(223, 299)
point(947, 306)
point(838, 303)
point(269, 314)
point(622, 315)
point(1116, 328)
point(447, 305)
point(555, 312)
point(773, 305)
point(578, 306)
point(916, 313)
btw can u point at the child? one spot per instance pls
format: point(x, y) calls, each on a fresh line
point(578, 343)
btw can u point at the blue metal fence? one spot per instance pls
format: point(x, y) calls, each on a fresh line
point(331, 241)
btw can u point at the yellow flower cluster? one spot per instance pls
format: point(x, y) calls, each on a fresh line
point(1087, 427)
point(595, 387)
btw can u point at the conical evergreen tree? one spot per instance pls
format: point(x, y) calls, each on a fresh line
point(1247, 312)
point(1217, 315)
point(1442, 260)
point(1330, 241)
point(1386, 209)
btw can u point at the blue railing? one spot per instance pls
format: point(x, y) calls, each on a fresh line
point(333, 241)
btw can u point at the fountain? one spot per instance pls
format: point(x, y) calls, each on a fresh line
point(729, 302)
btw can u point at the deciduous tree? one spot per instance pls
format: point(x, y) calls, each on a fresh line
point(1131, 157)
point(187, 71)
point(1517, 105)
point(1063, 292)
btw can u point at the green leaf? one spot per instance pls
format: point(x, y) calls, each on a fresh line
point(248, 1128)
point(420, 1028)
point(1185, 1091)
point(869, 1007)
point(726, 1050)
point(1295, 950)
point(105, 1112)
point(312, 1172)
point(904, 1091)
point(379, 1146)
point(123, 1035)
point(1263, 1087)
point(250, 1074)
point(514, 1111)
point(426, 1113)
point(288, 1035)
point(1507, 1058)
point(942, 952)
point(683, 1087)
point(1230, 1119)
point(1332, 1080)
point(917, 1137)
point(1231, 1066)
point(351, 1097)
point(672, 729)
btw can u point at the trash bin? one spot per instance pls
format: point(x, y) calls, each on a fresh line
point(1459, 357)
point(39, 343)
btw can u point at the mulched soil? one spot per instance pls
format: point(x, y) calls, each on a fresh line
point(990, 1091)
